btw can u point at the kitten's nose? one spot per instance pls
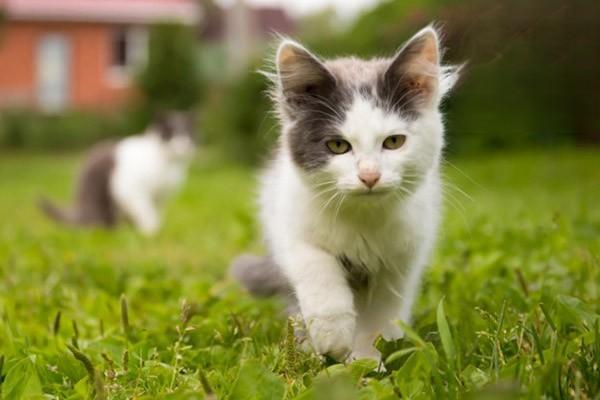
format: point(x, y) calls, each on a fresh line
point(369, 177)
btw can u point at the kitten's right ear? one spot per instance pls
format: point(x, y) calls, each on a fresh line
point(301, 73)
point(413, 76)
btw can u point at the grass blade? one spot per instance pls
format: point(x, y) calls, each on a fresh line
point(411, 334)
point(124, 315)
point(445, 334)
point(56, 324)
point(94, 376)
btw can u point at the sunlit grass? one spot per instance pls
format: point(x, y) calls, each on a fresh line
point(517, 267)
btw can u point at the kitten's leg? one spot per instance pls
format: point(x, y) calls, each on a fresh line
point(326, 300)
point(376, 317)
point(143, 213)
point(392, 302)
point(363, 345)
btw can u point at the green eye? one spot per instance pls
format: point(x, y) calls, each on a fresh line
point(338, 146)
point(394, 142)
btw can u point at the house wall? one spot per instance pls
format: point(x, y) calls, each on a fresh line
point(91, 83)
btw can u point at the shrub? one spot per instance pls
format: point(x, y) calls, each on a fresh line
point(238, 119)
point(171, 78)
point(21, 128)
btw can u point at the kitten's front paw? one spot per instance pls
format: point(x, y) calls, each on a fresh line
point(332, 335)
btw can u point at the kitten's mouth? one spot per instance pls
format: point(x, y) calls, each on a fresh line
point(375, 192)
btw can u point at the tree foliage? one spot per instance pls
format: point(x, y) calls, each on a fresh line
point(171, 78)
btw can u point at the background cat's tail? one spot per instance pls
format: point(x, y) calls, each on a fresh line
point(56, 213)
point(259, 275)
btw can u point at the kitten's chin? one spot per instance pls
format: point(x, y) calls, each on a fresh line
point(184, 154)
point(375, 193)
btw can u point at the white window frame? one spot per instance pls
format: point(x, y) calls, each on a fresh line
point(136, 54)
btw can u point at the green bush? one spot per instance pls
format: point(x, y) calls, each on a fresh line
point(526, 83)
point(21, 128)
point(171, 78)
point(238, 119)
point(531, 78)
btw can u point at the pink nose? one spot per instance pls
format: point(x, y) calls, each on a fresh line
point(369, 177)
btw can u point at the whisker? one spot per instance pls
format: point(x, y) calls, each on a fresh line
point(457, 189)
point(460, 171)
point(322, 192)
point(326, 204)
point(329, 182)
point(337, 210)
point(457, 205)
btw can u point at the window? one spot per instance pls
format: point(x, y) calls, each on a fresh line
point(128, 50)
point(120, 48)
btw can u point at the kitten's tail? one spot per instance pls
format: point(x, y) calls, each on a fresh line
point(259, 275)
point(57, 214)
point(262, 277)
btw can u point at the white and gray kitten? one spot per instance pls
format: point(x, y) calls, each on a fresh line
point(131, 177)
point(351, 203)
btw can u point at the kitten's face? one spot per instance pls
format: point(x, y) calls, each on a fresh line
point(382, 152)
point(176, 130)
point(363, 127)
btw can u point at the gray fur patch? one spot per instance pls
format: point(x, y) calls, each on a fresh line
point(94, 201)
point(172, 123)
point(356, 274)
point(93, 204)
point(259, 275)
point(262, 277)
point(315, 123)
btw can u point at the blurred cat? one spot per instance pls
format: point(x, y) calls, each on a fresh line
point(131, 177)
point(351, 202)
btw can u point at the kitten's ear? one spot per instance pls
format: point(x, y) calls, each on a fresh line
point(301, 73)
point(413, 77)
point(160, 118)
point(192, 120)
point(191, 116)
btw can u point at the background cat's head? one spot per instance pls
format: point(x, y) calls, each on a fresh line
point(176, 130)
point(364, 126)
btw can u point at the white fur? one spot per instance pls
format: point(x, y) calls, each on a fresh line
point(147, 171)
point(309, 219)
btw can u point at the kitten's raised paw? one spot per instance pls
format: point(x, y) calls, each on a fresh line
point(332, 335)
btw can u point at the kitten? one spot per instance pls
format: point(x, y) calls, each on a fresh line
point(132, 177)
point(350, 204)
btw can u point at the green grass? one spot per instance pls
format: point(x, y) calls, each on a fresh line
point(509, 308)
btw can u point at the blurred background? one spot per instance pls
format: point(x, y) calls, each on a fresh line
point(76, 71)
point(519, 248)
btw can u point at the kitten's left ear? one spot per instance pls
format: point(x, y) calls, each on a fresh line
point(160, 119)
point(413, 78)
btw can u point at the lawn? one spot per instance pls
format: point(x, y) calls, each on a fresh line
point(510, 306)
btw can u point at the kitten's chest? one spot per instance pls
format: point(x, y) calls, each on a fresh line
point(169, 178)
point(363, 250)
point(145, 165)
point(173, 174)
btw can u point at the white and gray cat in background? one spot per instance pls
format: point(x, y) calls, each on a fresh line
point(350, 204)
point(132, 177)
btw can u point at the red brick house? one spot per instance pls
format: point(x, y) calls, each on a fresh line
point(58, 54)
